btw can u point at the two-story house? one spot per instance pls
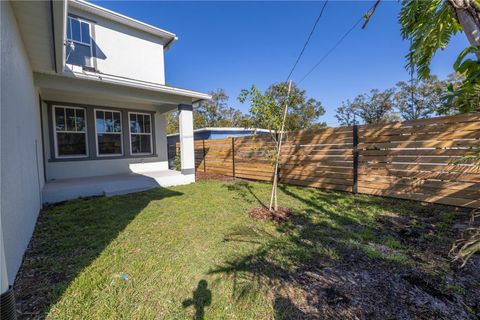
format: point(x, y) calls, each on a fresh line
point(83, 105)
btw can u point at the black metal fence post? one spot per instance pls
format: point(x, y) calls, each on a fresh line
point(233, 156)
point(204, 157)
point(355, 159)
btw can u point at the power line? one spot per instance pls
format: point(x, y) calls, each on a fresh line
point(332, 49)
point(308, 40)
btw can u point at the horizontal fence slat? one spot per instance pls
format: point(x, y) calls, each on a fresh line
point(419, 159)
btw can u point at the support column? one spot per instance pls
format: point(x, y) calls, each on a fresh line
point(187, 151)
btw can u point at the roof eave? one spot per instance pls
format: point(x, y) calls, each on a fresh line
point(167, 36)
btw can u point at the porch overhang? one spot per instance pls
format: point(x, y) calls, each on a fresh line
point(42, 27)
point(99, 89)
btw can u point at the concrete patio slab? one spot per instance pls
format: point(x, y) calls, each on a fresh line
point(110, 185)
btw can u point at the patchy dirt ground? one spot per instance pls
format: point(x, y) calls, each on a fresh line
point(262, 213)
point(424, 285)
point(212, 176)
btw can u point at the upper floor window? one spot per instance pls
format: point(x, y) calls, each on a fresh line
point(70, 132)
point(79, 42)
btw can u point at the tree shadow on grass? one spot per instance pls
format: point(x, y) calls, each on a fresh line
point(68, 237)
point(244, 190)
point(342, 254)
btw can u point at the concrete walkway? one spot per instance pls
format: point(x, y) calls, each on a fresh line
point(67, 189)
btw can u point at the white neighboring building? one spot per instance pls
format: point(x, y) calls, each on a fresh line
point(83, 104)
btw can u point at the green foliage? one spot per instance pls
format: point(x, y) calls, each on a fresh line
point(177, 164)
point(266, 109)
point(214, 113)
point(429, 25)
point(217, 113)
point(346, 113)
point(172, 122)
point(465, 94)
point(374, 108)
point(428, 94)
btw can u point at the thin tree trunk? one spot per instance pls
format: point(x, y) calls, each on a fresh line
point(273, 198)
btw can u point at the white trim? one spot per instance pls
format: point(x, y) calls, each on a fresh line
point(120, 133)
point(43, 78)
point(80, 20)
point(114, 16)
point(142, 133)
point(54, 124)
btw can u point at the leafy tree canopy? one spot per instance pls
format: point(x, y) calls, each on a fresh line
point(214, 113)
point(422, 98)
point(266, 109)
point(374, 108)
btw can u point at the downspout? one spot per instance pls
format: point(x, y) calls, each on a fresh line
point(53, 37)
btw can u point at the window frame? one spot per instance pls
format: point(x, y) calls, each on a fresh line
point(55, 131)
point(90, 44)
point(149, 134)
point(119, 133)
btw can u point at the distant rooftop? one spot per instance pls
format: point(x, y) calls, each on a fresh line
point(223, 129)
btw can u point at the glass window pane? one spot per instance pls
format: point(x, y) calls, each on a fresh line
point(147, 124)
point(109, 144)
point(71, 144)
point(145, 143)
point(75, 30)
point(117, 124)
point(135, 140)
point(141, 127)
point(80, 118)
point(85, 33)
point(133, 123)
point(60, 119)
point(69, 30)
point(70, 113)
point(141, 143)
point(100, 122)
point(108, 121)
point(80, 55)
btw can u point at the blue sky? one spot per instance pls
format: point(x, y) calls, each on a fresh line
point(233, 45)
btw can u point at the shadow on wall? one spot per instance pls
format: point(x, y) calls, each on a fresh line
point(67, 239)
point(201, 298)
point(97, 52)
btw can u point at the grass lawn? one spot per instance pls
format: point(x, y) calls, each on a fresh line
point(193, 252)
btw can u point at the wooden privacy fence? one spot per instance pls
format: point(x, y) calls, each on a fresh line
point(421, 160)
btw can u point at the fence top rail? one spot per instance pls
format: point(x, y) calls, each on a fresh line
point(469, 117)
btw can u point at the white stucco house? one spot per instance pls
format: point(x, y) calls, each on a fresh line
point(83, 105)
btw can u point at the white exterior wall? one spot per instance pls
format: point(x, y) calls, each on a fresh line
point(90, 168)
point(21, 144)
point(124, 51)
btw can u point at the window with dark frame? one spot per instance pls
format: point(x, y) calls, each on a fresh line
point(79, 42)
point(140, 133)
point(70, 133)
point(108, 130)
